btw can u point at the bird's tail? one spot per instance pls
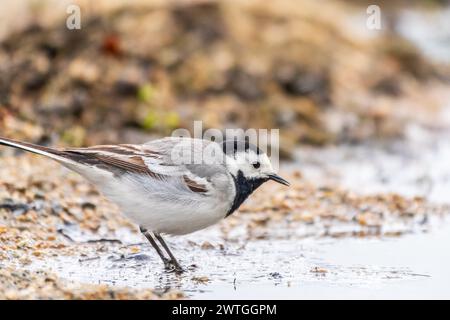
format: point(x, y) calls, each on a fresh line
point(55, 154)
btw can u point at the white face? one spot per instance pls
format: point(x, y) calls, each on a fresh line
point(251, 164)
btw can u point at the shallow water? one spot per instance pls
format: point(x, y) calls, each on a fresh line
point(411, 266)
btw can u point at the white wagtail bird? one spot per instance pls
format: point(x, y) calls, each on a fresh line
point(161, 189)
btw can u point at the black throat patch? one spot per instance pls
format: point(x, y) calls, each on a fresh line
point(244, 188)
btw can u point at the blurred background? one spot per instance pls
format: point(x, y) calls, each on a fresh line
point(364, 113)
point(139, 69)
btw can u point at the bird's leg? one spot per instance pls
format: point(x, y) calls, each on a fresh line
point(173, 260)
point(155, 245)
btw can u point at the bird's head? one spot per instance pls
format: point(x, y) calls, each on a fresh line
point(246, 160)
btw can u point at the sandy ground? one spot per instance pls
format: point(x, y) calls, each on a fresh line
point(58, 224)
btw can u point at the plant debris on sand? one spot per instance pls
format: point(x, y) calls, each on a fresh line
point(22, 284)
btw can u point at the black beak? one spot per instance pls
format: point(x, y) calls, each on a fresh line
point(278, 179)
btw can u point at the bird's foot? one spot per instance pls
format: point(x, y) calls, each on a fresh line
point(167, 264)
point(173, 266)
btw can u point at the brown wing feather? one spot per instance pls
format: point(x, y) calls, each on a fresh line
point(121, 157)
point(194, 186)
point(132, 164)
point(127, 158)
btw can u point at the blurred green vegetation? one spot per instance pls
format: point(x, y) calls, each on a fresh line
point(141, 70)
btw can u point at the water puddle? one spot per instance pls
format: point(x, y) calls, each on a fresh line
point(284, 269)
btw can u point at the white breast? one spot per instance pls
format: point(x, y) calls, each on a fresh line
point(167, 206)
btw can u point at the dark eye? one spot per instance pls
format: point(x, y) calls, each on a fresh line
point(256, 165)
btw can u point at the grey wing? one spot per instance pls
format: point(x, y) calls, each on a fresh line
point(200, 162)
point(179, 156)
point(153, 164)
